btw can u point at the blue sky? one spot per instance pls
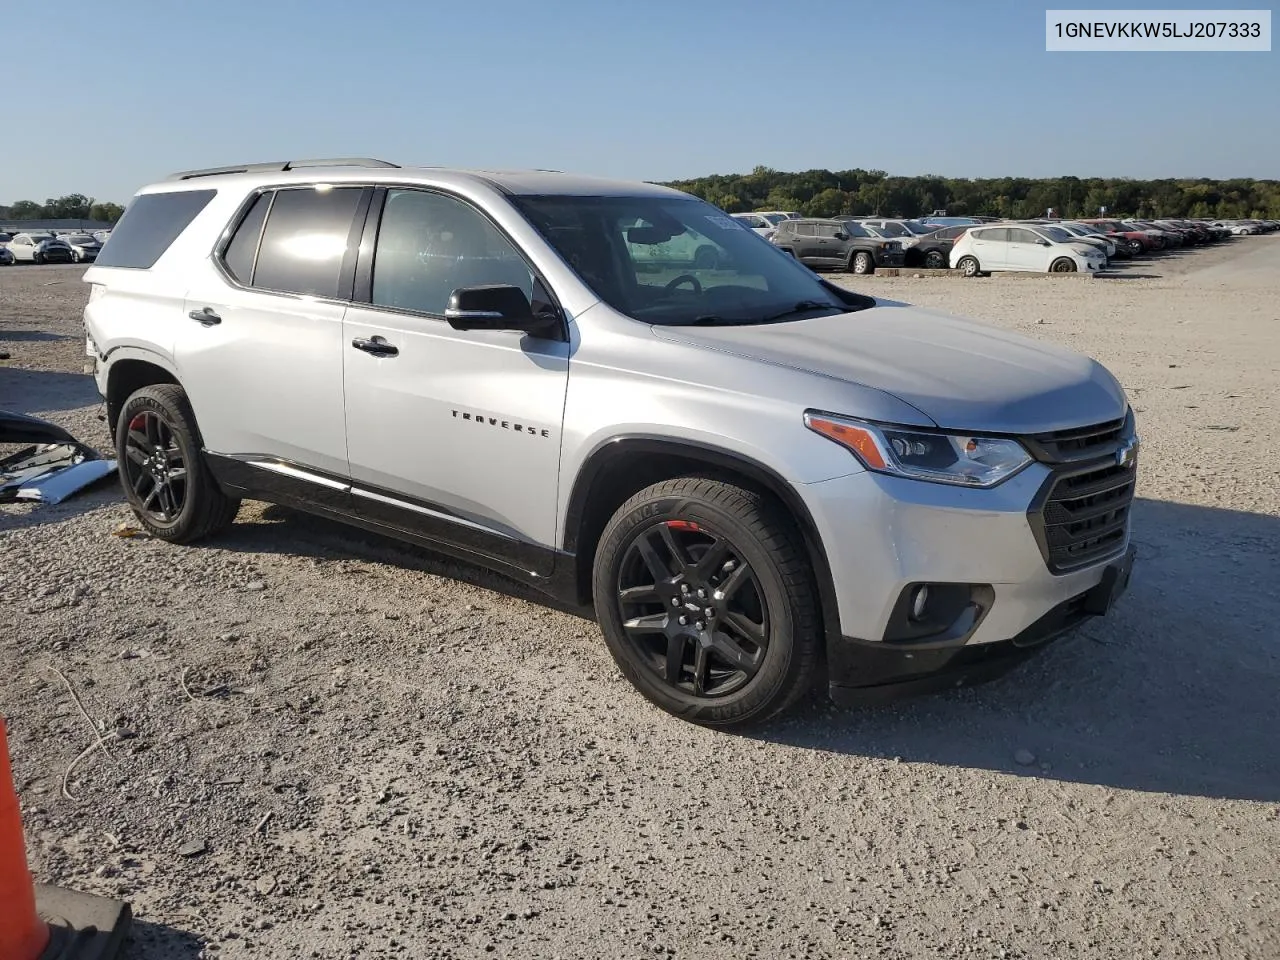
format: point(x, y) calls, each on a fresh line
point(655, 90)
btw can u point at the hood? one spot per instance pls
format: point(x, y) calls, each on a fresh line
point(961, 374)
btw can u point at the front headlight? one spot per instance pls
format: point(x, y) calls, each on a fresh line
point(922, 454)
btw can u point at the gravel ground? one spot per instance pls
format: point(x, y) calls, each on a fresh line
point(319, 744)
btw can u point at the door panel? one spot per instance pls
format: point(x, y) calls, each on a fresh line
point(266, 380)
point(465, 424)
point(1025, 252)
point(991, 248)
point(259, 348)
point(456, 435)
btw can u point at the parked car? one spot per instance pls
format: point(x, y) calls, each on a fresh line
point(1023, 248)
point(1138, 241)
point(777, 216)
point(757, 222)
point(1165, 239)
point(920, 246)
point(951, 221)
point(1106, 246)
point(933, 250)
point(23, 246)
point(101, 235)
point(84, 248)
point(839, 244)
point(53, 250)
point(755, 480)
point(1115, 248)
point(6, 257)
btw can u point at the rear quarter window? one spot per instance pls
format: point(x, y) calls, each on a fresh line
point(150, 224)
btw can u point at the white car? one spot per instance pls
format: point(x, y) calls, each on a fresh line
point(1089, 234)
point(758, 222)
point(25, 246)
point(1037, 249)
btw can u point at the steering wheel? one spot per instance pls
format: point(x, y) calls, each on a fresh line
point(684, 278)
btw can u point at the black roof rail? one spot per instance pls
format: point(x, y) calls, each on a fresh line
point(281, 166)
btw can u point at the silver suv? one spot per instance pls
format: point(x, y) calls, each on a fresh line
point(760, 481)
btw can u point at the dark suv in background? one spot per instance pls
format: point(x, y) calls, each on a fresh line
point(841, 244)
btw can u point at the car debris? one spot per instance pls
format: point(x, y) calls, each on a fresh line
point(54, 467)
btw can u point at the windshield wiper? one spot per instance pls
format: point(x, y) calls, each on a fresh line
point(804, 306)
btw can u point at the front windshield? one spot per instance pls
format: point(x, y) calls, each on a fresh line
point(1056, 233)
point(81, 238)
point(676, 261)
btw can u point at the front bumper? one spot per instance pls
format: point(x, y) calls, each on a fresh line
point(885, 535)
point(861, 672)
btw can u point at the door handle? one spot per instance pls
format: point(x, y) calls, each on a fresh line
point(205, 316)
point(378, 346)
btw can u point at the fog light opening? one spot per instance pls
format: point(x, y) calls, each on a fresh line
point(919, 602)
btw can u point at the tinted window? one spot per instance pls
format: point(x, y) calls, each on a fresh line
point(150, 223)
point(305, 240)
point(807, 229)
point(1018, 235)
point(827, 229)
point(430, 244)
point(240, 253)
point(997, 235)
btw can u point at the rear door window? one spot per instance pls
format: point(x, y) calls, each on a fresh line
point(149, 225)
point(306, 238)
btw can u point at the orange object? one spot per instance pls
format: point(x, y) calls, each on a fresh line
point(23, 935)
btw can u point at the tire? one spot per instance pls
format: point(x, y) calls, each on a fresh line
point(722, 678)
point(968, 266)
point(157, 423)
point(861, 263)
point(935, 260)
point(35, 259)
point(1063, 265)
point(705, 258)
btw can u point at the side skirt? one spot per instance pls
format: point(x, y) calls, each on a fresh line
point(549, 571)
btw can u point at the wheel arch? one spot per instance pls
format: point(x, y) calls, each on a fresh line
point(128, 374)
point(621, 466)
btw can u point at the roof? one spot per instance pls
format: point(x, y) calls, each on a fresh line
point(511, 182)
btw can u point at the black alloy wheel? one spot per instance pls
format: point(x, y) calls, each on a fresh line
point(706, 599)
point(692, 608)
point(155, 467)
point(162, 470)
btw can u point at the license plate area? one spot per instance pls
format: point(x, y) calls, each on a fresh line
point(1112, 586)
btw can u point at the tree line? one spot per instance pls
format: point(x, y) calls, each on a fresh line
point(827, 193)
point(74, 206)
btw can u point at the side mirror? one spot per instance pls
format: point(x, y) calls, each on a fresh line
point(498, 306)
point(841, 235)
point(1044, 243)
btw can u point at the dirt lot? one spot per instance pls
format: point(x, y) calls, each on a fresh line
point(322, 745)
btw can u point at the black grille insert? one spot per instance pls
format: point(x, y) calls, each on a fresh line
point(1080, 443)
point(1082, 516)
